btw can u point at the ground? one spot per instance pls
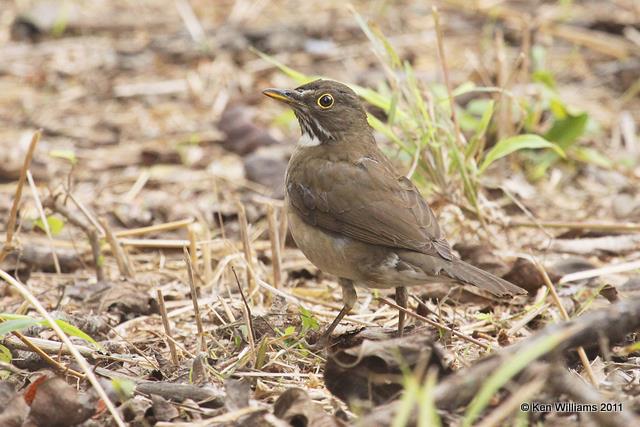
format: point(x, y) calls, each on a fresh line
point(156, 155)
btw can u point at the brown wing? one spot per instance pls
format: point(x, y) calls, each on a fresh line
point(367, 202)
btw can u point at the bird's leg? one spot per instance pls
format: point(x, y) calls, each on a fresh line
point(401, 299)
point(349, 298)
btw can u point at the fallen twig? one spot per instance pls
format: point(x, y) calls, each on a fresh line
point(587, 246)
point(48, 359)
point(438, 325)
point(597, 272)
point(565, 383)
point(459, 389)
point(577, 225)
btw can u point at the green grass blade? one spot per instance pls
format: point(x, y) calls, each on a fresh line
point(474, 147)
point(299, 77)
point(427, 411)
point(407, 403)
point(386, 131)
point(507, 370)
point(14, 322)
point(9, 326)
point(516, 143)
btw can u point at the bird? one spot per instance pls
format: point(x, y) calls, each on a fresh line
point(353, 215)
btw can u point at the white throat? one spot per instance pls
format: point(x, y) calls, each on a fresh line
point(307, 140)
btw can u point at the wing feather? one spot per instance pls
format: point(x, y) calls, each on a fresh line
point(366, 201)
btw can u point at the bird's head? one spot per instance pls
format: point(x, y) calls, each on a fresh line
point(326, 110)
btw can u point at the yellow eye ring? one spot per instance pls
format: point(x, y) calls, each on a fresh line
point(325, 101)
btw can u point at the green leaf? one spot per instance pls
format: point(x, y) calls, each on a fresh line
point(68, 155)
point(544, 77)
point(539, 57)
point(5, 354)
point(589, 155)
point(55, 223)
point(308, 321)
point(516, 143)
point(463, 89)
point(261, 354)
point(566, 131)
point(124, 388)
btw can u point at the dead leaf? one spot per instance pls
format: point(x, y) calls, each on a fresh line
point(129, 300)
point(295, 407)
point(372, 370)
point(57, 404)
point(610, 293)
point(267, 167)
point(243, 136)
point(526, 275)
point(13, 408)
point(162, 409)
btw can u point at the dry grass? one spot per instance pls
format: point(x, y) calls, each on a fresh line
point(129, 112)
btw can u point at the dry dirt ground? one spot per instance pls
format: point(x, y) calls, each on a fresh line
point(158, 172)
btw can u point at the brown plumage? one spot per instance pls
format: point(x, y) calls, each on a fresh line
point(352, 214)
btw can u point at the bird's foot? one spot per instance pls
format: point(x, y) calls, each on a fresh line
point(317, 342)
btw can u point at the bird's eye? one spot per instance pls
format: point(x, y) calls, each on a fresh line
point(325, 101)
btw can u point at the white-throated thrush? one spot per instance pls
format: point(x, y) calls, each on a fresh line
point(352, 214)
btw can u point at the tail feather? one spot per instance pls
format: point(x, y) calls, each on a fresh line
point(467, 273)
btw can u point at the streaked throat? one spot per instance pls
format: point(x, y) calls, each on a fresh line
point(313, 133)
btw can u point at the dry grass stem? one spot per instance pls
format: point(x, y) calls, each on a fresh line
point(577, 225)
point(156, 243)
point(246, 246)
point(206, 254)
point(445, 75)
point(92, 219)
point(194, 300)
point(43, 219)
point(193, 248)
point(11, 223)
point(565, 316)
point(438, 325)
point(122, 259)
point(57, 366)
point(602, 271)
point(167, 226)
point(86, 368)
point(167, 328)
point(284, 227)
point(274, 237)
point(246, 312)
point(92, 234)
